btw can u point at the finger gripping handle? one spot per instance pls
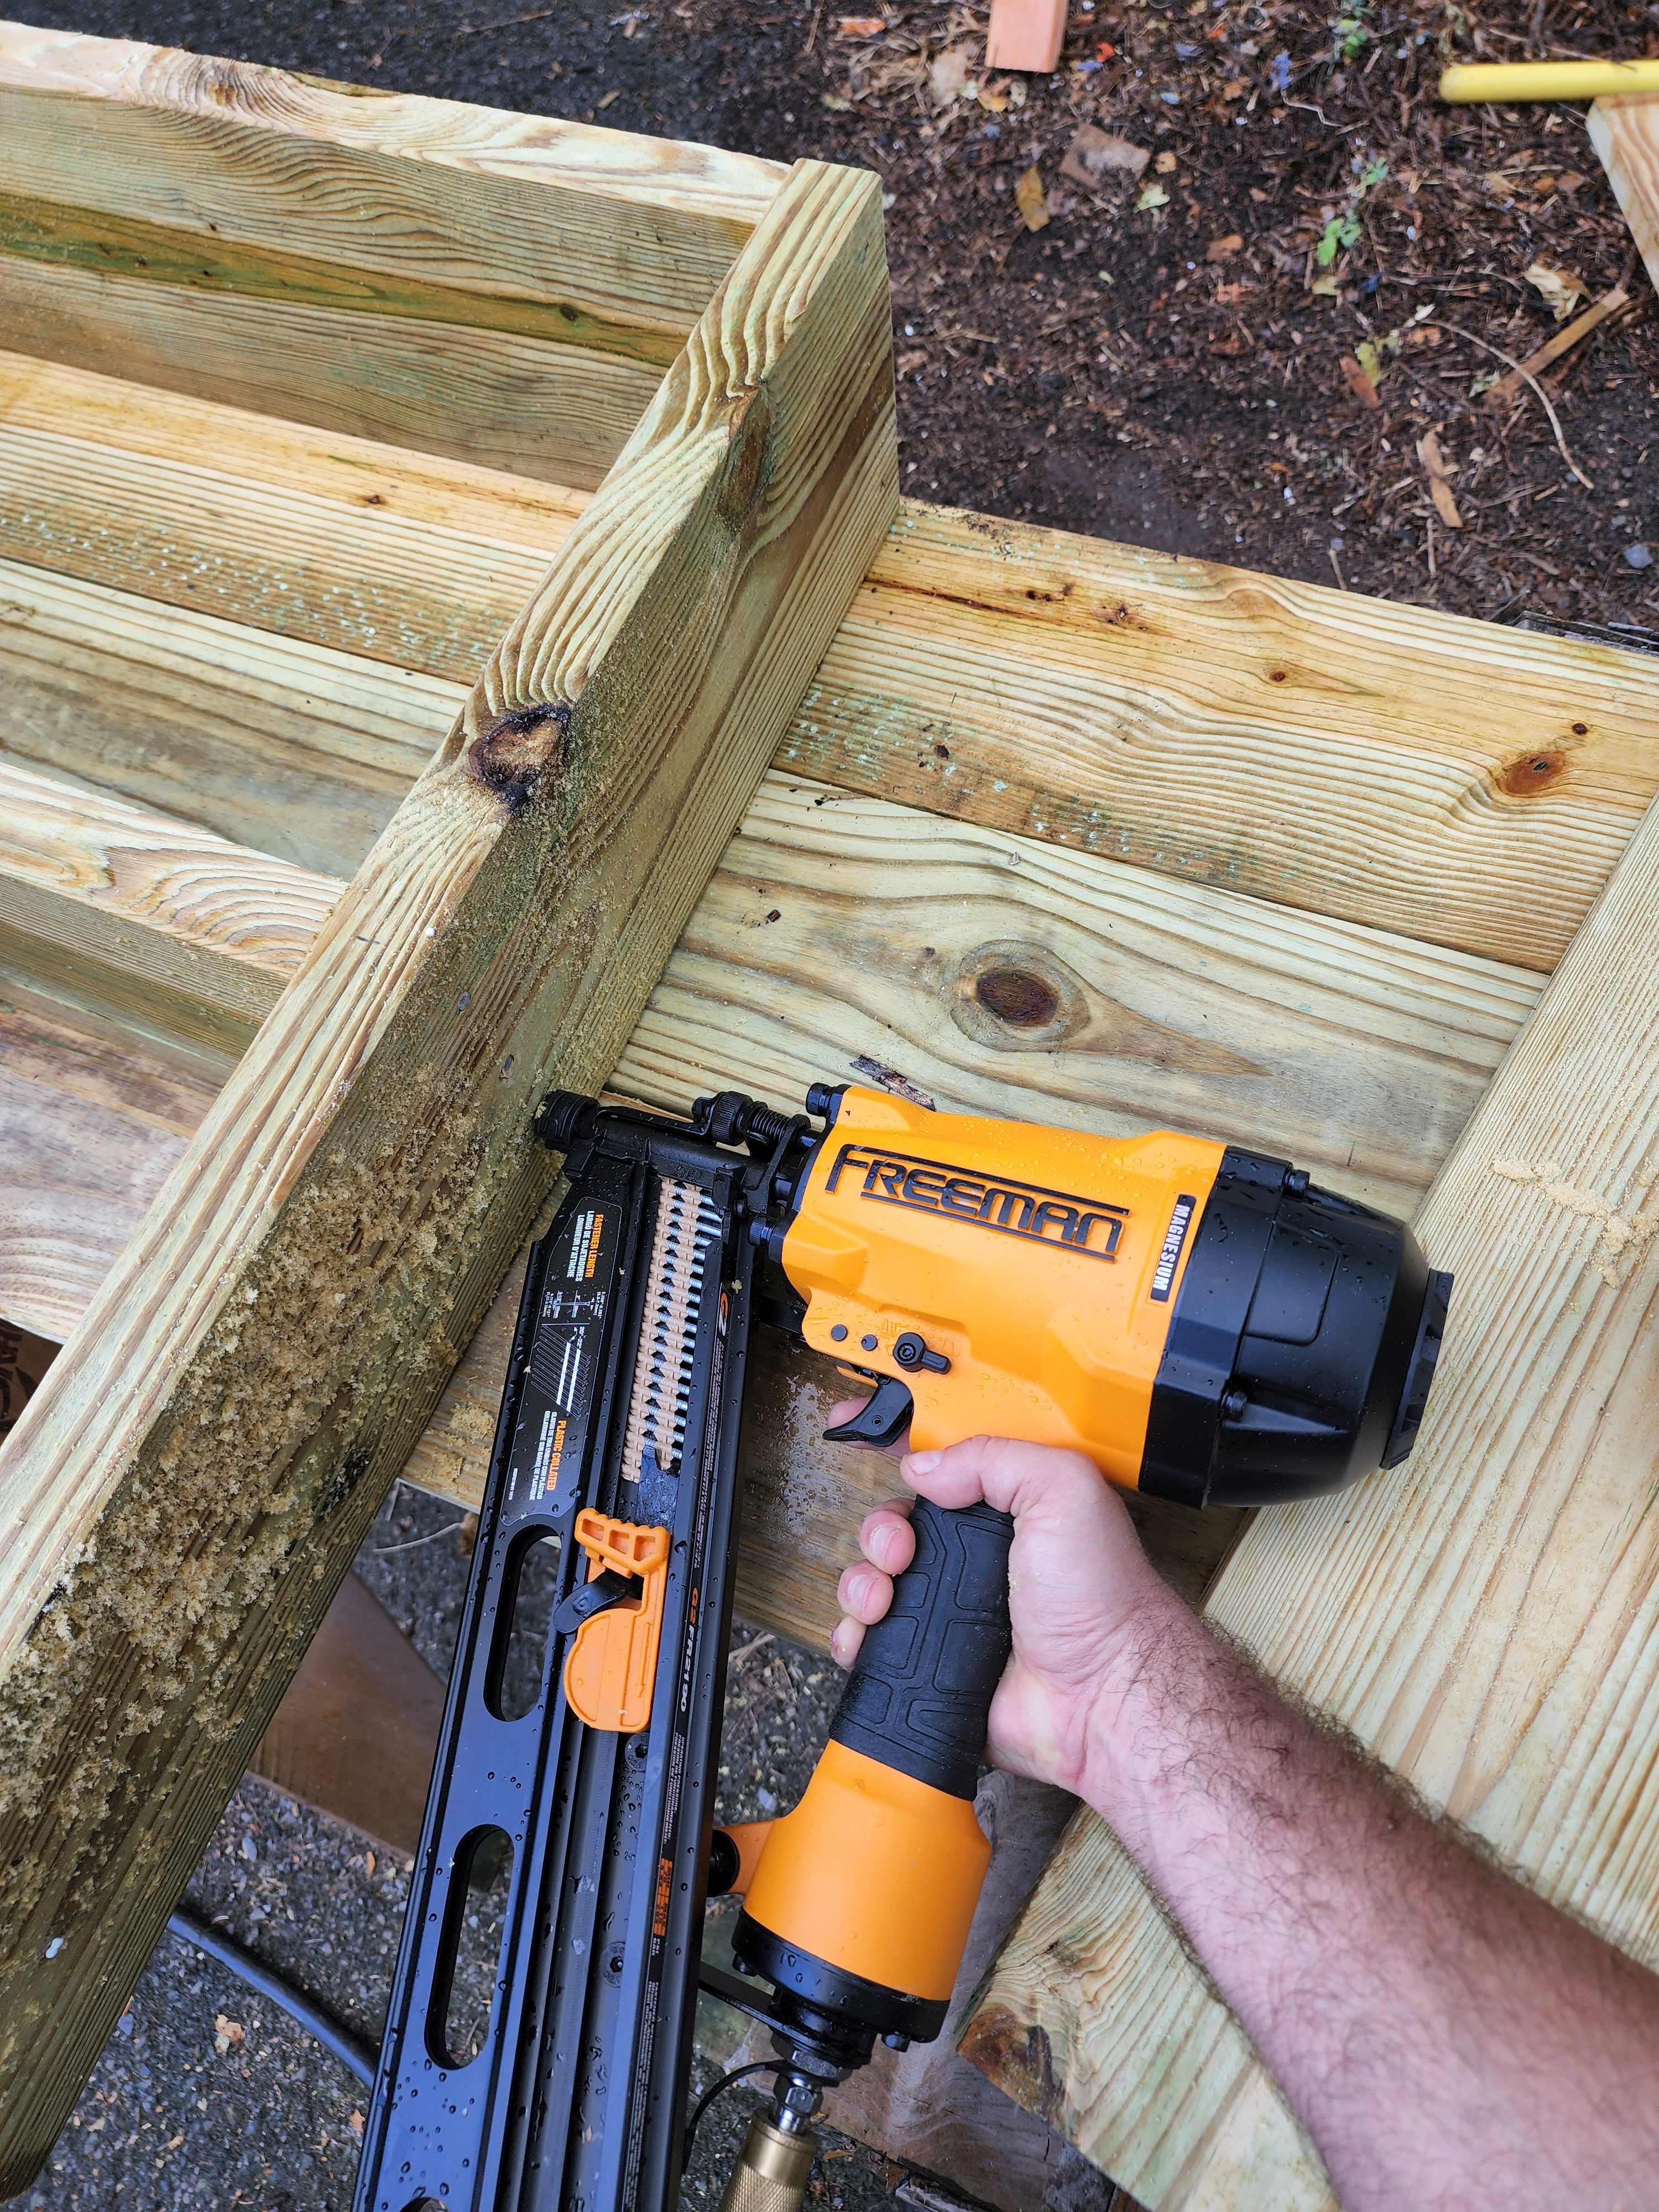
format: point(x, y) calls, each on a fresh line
point(921, 1691)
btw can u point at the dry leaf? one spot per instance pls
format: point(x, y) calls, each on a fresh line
point(1222, 249)
point(356, 2123)
point(1229, 296)
point(1425, 335)
point(368, 1862)
point(1032, 200)
point(226, 2032)
point(1092, 153)
point(1235, 89)
point(862, 26)
point(1359, 383)
point(1324, 287)
point(1152, 196)
point(993, 96)
point(1166, 165)
point(1558, 286)
point(948, 74)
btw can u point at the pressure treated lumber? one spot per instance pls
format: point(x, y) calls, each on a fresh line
point(188, 1488)
point(1447, 779)
point(842, 929)
point(1486, 1617)
point(839, 928)
point(143, 920)
point(506, 289)
point(1625, 133)
point(1015, 650)
point(374, 551)
point(91, 1125)
point(295, 750)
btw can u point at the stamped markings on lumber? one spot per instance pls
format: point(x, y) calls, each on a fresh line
point(341, 1217)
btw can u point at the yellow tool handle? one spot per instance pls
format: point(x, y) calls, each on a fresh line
point(1504, 80)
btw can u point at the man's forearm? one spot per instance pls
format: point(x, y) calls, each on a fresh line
point(1421, 2011)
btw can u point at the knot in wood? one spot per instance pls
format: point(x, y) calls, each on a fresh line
point(518, 751)
point(1017, 997)
point(1532, 772)
point(743, 477)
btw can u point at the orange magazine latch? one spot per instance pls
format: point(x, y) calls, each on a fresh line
point(612, 1665)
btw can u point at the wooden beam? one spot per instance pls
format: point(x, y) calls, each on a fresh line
point(91, 1125)
point(389, 555)
point(164, 930)
point(505, 288)
point(1486, 1617)
point(1625, 133)
point(295, 750)
point(187, 1487)
point(1448, 779)
point(843, 929)
point(1089, 694)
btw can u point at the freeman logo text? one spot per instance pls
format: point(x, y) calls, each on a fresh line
point(1084, 1225)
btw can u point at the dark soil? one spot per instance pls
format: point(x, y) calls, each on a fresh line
point(1162, 374)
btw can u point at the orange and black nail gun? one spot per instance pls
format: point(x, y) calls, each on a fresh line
point(1199, 1319)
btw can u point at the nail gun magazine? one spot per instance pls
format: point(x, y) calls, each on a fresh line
point(1197, 1317)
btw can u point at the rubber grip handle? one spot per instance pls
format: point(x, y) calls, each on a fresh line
point(921, 1689)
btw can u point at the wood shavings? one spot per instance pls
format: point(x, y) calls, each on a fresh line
point(1619, 1237)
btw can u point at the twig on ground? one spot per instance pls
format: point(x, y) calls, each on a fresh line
point(1520, 368)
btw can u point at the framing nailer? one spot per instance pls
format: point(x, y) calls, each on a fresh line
point(1197, 1318)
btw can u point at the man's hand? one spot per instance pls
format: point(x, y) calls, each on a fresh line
point(1081, 1594)
point(1446, 2037)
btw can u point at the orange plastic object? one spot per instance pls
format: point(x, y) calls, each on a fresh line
point(874, 1872)
point(1025, 34)
point(750, 1837)
point(611, 1668)
point(1043, 1264)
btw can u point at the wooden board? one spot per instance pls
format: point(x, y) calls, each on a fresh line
point(1625, 135)
point(1443, 778)
point(1486, 1617)
point(187, 1489)
point(386, 554)
point(839, 928)
point(504, 289)
point(91, 1126)
point(357, 1731)
point(1092, 696)
point(146, 923)
point(301, 752)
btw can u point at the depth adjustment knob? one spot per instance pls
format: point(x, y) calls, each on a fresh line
point(911, 1350)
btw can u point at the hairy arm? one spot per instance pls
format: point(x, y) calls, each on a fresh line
point(1446, 2037)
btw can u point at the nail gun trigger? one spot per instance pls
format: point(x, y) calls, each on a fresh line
point(588, 1598)
point(882, 1422)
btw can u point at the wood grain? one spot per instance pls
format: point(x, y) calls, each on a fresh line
point(841, 926)
point(375, 551)
point(165, 929)
point(971, 636)
point(502, 289)
point(486, 397)
point(1486, 1617)
point(284, 1317)
point(523, 206)
point(91, 1125)
point(1449, 779)
point(1625, 133)
point(293, 750)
